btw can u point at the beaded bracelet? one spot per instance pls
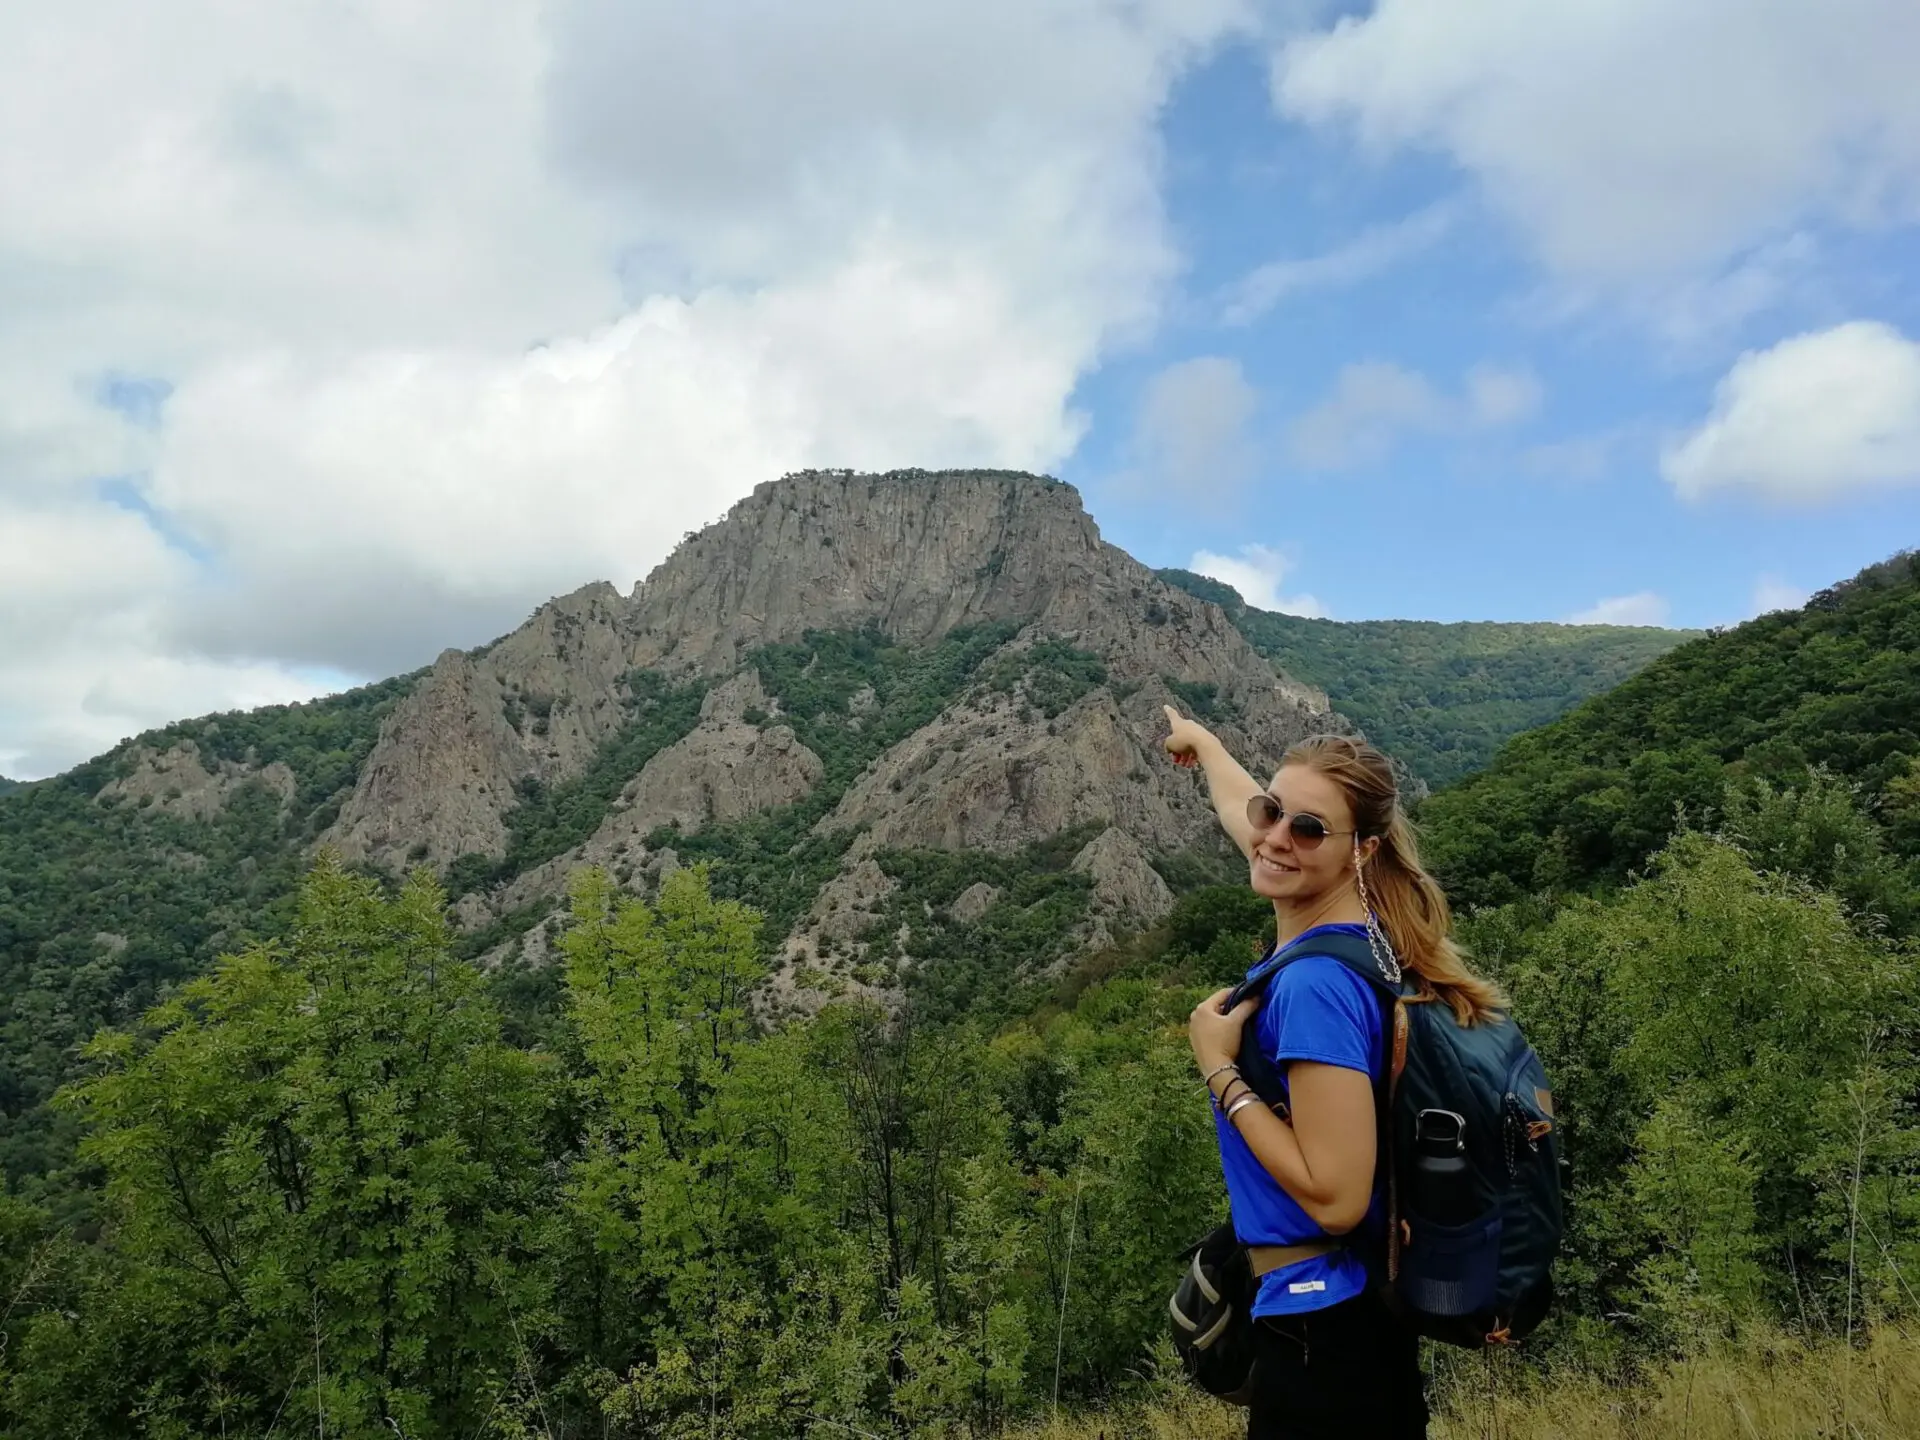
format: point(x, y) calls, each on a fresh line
point(1207, 1079)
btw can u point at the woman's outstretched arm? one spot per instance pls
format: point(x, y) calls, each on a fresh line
point(1230, 786)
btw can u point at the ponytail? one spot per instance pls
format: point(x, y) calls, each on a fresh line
point(1419, 924)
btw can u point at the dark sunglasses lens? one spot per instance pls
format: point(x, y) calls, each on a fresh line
point(1309, 830)
point(1263, 812)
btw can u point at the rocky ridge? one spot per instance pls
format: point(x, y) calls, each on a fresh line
point(914, 556)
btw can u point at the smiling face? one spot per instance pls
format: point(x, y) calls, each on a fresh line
point(1293, 875)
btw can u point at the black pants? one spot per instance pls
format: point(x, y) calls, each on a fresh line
point(1349, 1372)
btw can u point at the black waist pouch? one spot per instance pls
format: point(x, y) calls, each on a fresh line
point(1211, 1310)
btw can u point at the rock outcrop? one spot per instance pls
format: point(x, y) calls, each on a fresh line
point(1127, 890)
point(986, 775)
point(176, 781)
point(717, 773)
point(974, 901)
point(918, 555)
point(723, 770)
point(442, 776)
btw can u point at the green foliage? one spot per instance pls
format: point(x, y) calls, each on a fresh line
point(697, 1181)
point(1705, 1031)
point(1441, 698)
point(549, 821)
point(1202, 700)
point(322, 1174)
point(1219, 930)
point(322, 741)
point(995, 965)
point(1588, 798)
point(1050, 675)
point(664, 1219)
point(863, 1221)
point(104, 906)
point(6, 784)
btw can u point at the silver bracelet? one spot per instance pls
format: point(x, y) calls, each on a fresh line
point(1226, 1091)
point(1241, 1104)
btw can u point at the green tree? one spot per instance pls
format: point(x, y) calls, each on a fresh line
point(320, 1165)
point(697, 1238)
point(1705, 1030)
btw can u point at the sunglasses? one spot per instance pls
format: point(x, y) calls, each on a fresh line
point(1264, 812)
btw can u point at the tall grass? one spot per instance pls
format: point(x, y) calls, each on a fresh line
point(1769, 1387)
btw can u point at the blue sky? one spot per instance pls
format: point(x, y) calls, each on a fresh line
point(1490, 310)
point(1538, 519)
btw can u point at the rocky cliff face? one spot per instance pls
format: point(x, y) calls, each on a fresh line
point(914, 556)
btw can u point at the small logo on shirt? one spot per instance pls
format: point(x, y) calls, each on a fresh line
point(1306, 1287)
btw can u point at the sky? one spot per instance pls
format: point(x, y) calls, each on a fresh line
point(335, 335)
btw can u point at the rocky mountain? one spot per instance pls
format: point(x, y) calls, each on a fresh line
point(997, 767)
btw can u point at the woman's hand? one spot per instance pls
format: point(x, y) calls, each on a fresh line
point(1184, 737)
point(1215, 1034)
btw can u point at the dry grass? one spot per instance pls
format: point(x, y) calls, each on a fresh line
point(1774, 1387)
point(1180, 1415)
point(1767, 1389)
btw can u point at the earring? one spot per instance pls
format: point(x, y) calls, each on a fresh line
point(1377, 941)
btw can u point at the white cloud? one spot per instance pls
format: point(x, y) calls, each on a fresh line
point(1374, 249)
point(81, 666)
point(1359, 422)
point(1643, 608)
point(1501, 397)
point(1704, 315)
point(1814, 417)
point(1190, 436)
point(1375, 402)
point(1633, 138)
point(461, 309)
point(1257, 572)
point(1771, 593)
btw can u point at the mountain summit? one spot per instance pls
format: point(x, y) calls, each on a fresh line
point(1050, 725)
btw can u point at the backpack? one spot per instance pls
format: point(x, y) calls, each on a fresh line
point(1472, 1164)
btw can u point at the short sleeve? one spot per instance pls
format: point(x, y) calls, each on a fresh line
point(1319, 1010)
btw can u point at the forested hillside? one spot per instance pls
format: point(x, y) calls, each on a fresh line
point(110, 895)
point(1442, 697)
point(1715, 730)
point(6, 785)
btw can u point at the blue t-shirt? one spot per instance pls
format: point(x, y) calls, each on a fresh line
point(1315, 1009)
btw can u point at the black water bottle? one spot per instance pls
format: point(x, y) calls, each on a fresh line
point(1442, 1186)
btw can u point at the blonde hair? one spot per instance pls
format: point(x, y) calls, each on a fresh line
point(1407, 900)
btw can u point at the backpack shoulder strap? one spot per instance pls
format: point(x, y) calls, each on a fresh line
point(1351, 951)
point(1384, 1098)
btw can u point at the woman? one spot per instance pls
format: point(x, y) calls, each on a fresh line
point(1329, 845)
